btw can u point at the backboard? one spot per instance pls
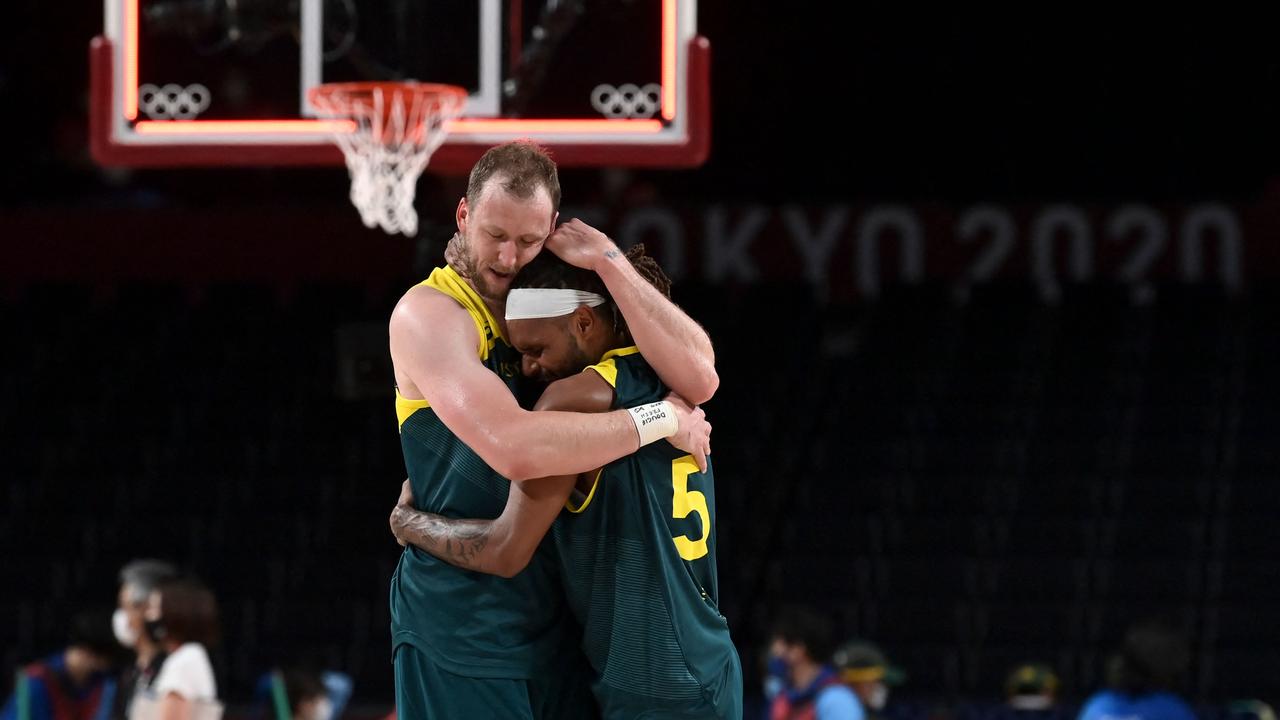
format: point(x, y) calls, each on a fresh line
point(225, 82)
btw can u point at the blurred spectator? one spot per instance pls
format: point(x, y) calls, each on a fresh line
point(1031, 693)
point(74, 684)
point(1143, 677)
point(1031, 688)
point(799, 651)
point(339, 686)
point(182, 617)
point(137, 581)
point(864, 668)
point(305, 696)
point(1250, 710)
point(299, 694)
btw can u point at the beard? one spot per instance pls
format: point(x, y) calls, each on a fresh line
point(458, 256)
point(578, 358)
point(485, 291)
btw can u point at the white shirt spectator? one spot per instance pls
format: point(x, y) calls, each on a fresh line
point(186, 672)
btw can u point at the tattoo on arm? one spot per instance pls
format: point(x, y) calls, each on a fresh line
point(611, 254)
point(457, 542)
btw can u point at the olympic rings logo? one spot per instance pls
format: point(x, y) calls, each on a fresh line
point(627, 101)
point(172, 101)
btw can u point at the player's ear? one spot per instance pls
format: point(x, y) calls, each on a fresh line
point(583, 323)
point(555, 216)
point(461, 214)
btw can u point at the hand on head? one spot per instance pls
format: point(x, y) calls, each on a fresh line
point(580, 245)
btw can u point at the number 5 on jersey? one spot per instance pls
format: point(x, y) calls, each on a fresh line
point(683, 503)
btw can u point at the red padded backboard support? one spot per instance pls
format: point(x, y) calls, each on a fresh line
point(452, 158)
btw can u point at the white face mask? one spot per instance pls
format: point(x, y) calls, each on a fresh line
point(126, 635)
point(323, 710)
point(879, 697)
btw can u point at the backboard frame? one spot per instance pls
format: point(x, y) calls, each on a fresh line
point(679, 137)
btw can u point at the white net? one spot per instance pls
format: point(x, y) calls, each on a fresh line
point(397, 127)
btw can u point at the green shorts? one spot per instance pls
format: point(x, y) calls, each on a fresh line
point(721, 699)
point(425, 691)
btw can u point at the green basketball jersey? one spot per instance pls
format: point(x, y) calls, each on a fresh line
point(638, 556)
point(468, 623)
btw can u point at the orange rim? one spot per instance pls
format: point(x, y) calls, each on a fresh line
point(346, 95)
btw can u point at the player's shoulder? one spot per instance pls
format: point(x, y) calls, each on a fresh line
point(427, 295)
point(636, 362)
point(633, 378)
point(424, 304)
point(427, 322)
point(627, 360)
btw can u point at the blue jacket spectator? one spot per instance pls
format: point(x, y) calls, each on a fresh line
point(810, 688)
point(75, 684)
point(1143, 677)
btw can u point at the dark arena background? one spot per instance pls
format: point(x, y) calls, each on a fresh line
point(995, 308)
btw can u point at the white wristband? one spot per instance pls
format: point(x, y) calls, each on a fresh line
point(654, 421)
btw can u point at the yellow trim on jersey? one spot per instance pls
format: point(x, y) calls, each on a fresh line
point(594, 484)
point(607, 368)
point(407, 406)
point(449, 282)
point(620, 352)
point(445, 280)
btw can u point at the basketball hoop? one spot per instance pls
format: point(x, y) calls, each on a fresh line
point(397, 127)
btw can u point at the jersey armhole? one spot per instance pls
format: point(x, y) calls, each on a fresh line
point(576, 503)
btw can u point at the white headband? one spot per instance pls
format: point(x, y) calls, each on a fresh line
point(529, 303)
